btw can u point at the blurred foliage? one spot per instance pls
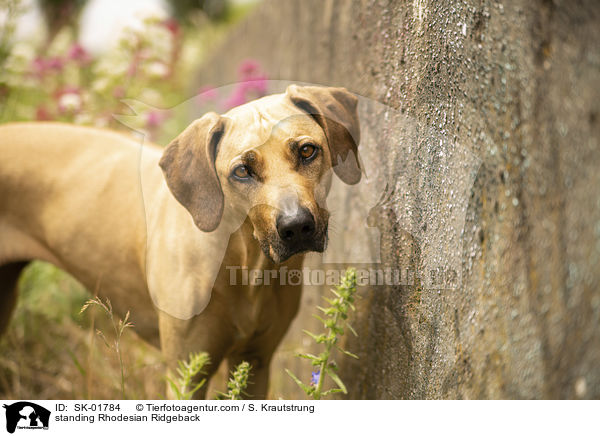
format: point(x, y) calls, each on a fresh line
point(214, 9)
point(11, 9)
point(153, 64)
point(66, 83)
point(50, 292)
point(59, 14)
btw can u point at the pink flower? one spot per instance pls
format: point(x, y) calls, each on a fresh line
point(172, 25)
point(38, 63)
point(248, 68)
point(154, 119)
point(42, 114)
point(252, 84)
point(206, 94)
point(132, 69)
point(42, 65)
point(119, 92)
point(257, 84)
point(39, 66)
point(55, 63)
point(237, 98)
point(79, 54)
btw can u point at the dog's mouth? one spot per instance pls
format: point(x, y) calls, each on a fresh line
point(279, 251)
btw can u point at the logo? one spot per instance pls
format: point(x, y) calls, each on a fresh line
point(26, 415)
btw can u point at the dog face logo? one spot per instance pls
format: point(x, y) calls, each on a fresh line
point(26, 415)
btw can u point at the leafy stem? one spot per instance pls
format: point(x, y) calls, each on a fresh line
point(183, 387)
point(334, 321)
point(238, 382)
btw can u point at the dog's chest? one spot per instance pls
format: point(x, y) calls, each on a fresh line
point(257, 310)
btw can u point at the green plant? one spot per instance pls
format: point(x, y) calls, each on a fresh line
point(187, 371)
point(237, 382)
point(334, 321)
point(118, 327)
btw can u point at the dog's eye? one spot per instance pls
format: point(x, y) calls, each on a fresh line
point(241, 172)
point(308, 152)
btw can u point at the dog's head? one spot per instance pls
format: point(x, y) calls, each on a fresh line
point(269, 160)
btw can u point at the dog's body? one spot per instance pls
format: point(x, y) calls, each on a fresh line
point(159, 243)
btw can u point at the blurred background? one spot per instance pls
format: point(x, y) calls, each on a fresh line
point(77, 61)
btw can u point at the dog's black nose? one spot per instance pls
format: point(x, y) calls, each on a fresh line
point(295, 228)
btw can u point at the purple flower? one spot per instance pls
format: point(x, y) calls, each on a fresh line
point(314, 378)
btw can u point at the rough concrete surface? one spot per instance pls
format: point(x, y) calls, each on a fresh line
point(481, 117)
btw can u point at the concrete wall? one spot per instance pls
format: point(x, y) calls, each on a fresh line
point(481, 117)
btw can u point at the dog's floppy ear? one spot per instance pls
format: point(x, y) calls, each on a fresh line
point(188, 164)
point(334, 109)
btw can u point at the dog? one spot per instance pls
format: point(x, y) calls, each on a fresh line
point(160, 232)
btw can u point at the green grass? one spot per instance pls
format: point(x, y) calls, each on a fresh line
point(51, 351)
point(50, 292)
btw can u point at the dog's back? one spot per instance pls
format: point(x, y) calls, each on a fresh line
point(61, 185)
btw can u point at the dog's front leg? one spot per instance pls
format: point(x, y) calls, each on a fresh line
point(179, 338)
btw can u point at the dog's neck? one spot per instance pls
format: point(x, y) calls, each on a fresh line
point(244, 251)
point(252, 251)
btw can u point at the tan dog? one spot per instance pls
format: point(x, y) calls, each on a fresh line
point(246, 189)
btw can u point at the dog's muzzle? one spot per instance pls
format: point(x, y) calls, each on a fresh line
point(298, 232)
